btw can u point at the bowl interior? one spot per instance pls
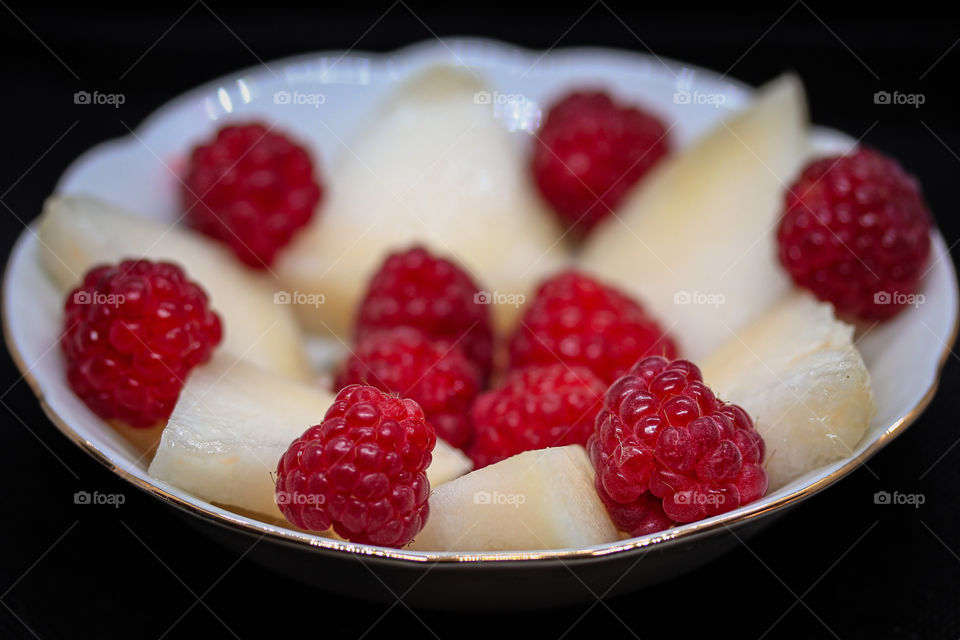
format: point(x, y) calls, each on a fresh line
point(323, 99)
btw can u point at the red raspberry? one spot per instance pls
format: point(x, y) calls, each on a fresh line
point(434, 373)
point(856, 232)
point(639, 517)
point(663, 434)
point(250, 189)
point(132, 333)
point(580, 321)
point(535, 408)
point(590, 152)
point(362, 470)
point(415, 289)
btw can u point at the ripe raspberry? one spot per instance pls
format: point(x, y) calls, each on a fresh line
point(250, 189)
point(363, 470)
point(415, 289)
point(639, 517)
point(590, 152)
point(434, 373)
point(132, 333)
point(536, 408)
point(580, 321)
point(663, 434)
point(856, 232)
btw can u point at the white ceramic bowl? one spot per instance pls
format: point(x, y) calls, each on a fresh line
point(904, 356)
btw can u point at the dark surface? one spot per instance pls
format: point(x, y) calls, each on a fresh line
point(838, 566)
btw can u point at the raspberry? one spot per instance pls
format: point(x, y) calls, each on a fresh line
point(590, 152)
point(535, 408)
point(639, 517)
point(580, 321)
point(415, 289)
point(362, 470)
point(132, 333)
point(251, 189)
point(856, 232)
point(662, 434)
point(434, 373)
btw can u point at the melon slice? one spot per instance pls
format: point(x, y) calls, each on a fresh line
point(696, 241)
point(79, 232)
point(231, 425)
point(434, 167)
point(797, 372)
point(542, 499)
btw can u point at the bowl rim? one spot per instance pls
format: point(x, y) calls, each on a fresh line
point(277, 533)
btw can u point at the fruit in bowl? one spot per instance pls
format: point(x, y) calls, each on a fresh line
point(663, 371)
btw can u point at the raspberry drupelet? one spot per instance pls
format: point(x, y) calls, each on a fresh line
point(362, 470)
point(132, 333)
point(664, 435)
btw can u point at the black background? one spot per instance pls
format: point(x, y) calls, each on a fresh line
point(837, 566)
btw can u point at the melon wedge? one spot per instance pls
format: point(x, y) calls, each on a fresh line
point(797, 372)
point(449, 463)
point(231, 425)
point(433, 166)
point(542, 499)
point(79, 232)
point(696, 241)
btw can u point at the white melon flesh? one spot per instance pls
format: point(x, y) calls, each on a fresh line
point(432, 167)
point(542, 499)
point(449, 463)
point(797, 372)
point(228, 430)
point(696, 241)
point(232, 423)
point(79, 232)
